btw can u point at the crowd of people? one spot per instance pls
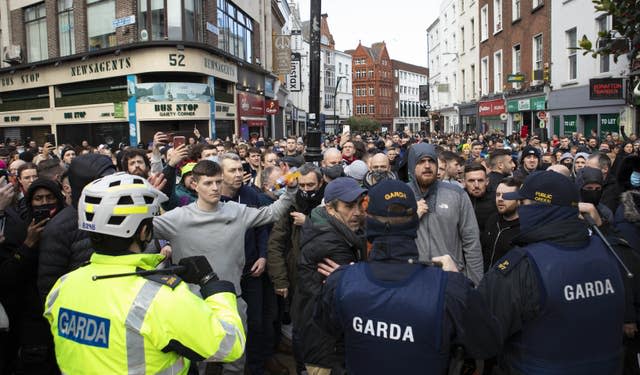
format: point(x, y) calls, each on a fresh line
point(295, 239)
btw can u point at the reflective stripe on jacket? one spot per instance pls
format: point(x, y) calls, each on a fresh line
point(135, 325)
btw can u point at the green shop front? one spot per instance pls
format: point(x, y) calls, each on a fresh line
point(529, 111)
point(578, 110)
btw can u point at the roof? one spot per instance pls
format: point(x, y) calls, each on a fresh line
point(401, 65)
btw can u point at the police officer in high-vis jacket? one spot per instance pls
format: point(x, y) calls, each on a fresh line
point(558, 297)
point(135, 324)
point(398, 316)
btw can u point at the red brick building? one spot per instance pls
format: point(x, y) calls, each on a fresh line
point(372, 74)
point(515, 53)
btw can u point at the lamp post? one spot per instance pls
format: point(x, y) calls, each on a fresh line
point(335, 94)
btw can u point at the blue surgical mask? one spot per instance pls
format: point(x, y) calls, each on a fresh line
point(635, 179)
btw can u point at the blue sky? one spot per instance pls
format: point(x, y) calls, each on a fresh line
point(402, 24)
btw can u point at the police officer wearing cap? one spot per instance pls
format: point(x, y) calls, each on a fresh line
point(106, 318)
point(558, 296)
point(397, 315)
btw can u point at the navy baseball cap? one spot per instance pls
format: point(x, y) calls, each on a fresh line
point(344, 189)
point(547, 187)
point(391, 192)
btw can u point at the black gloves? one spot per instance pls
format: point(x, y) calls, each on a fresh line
point(197, 270)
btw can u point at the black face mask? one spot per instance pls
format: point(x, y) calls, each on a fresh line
point(590, 196)
point(334, 171)
point(308, 200)
point(45, 211)
point(544, 166)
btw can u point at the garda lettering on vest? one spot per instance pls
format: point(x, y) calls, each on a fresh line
point(83, 328)
point(588, 290)
point(390, 331)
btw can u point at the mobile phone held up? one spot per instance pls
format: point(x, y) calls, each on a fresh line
point(178, 140)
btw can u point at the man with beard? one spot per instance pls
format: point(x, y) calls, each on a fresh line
point(482, 200)
point(135, 161)
point(284, 242)
point(502, 226)
point(501, 166)
point(529, 162)
point(447, 222)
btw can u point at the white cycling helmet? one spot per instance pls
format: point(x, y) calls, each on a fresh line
point(117, 204)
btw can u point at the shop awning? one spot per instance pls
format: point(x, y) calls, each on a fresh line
point(254, 121)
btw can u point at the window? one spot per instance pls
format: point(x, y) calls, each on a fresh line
point(484, 71)
point(370, 73)
point(515, 10)
point(484, 23)
point(461, 6)
point(473, 81)
point(603, 61)
point(536, 4)
point(572, 63)
point(516, 63)
point(462, 38)
point(100, 16)
point(340, 67)
point(497, 16)
point(464, 85)
point(497, 71)
point(473, 32)
point(35, 24)
point(372, 109)
point(235, 31)
point(371, 91)
point(329, 80)
point(537, 52)
point(65, 27)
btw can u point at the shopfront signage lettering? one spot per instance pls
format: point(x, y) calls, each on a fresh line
point(219, 67)
point(101, 67)
point(11, 118)
point(37, 118)
point(170, 110)
point(605, 88)
point(491, 108)
point(24, 78)
point(72, 115)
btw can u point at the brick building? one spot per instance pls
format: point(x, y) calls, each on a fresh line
point(111, 71)
point(407, 79)
point(372, 83)
point(515, 54)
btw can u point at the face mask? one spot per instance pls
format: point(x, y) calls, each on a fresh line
point(544, 166)
point(591, 196)
point(307, 195)
point(635, 179)
point(307, 201)
point(334, 171)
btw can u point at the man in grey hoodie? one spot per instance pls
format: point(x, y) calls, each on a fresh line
point(447, 221)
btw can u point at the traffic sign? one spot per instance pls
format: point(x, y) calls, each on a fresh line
point(542, 115)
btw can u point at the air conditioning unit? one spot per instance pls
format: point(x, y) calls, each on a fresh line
point(144, 35)
point(12, 54)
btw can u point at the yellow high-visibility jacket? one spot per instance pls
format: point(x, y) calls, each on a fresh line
point(137, 325)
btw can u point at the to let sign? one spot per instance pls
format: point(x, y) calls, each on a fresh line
point(605, 88)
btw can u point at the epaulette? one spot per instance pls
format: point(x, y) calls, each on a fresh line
point(510, 260)
point(169, 280)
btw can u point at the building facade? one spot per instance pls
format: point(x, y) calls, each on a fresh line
point(443, 67)
point(515, 56)
point(111, 71)
point(407, 79)
point(372, 83)
point(574, 103)
point(468, 55)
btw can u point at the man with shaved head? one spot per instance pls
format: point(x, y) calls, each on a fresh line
point(331, 157)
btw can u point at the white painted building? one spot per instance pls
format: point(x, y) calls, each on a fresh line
point(444, 65)
point(570, 105)
point(407, 79)
point(467, 49)
point(344, 93)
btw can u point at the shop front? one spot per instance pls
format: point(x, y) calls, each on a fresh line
point(24, 125)
point(251, 115)
point(526, 112)
point(95, 123)
point(468, 116)
point(493, 117)
point(589, 109)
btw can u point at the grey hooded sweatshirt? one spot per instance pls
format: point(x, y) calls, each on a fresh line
point(450, 226)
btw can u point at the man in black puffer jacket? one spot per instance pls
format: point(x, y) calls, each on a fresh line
point(333, 231)
point(63, 247)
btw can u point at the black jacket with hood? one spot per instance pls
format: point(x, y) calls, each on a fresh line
point(323, 236)
point(64, 247)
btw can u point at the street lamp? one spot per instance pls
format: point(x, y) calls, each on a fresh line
point(335, 94)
